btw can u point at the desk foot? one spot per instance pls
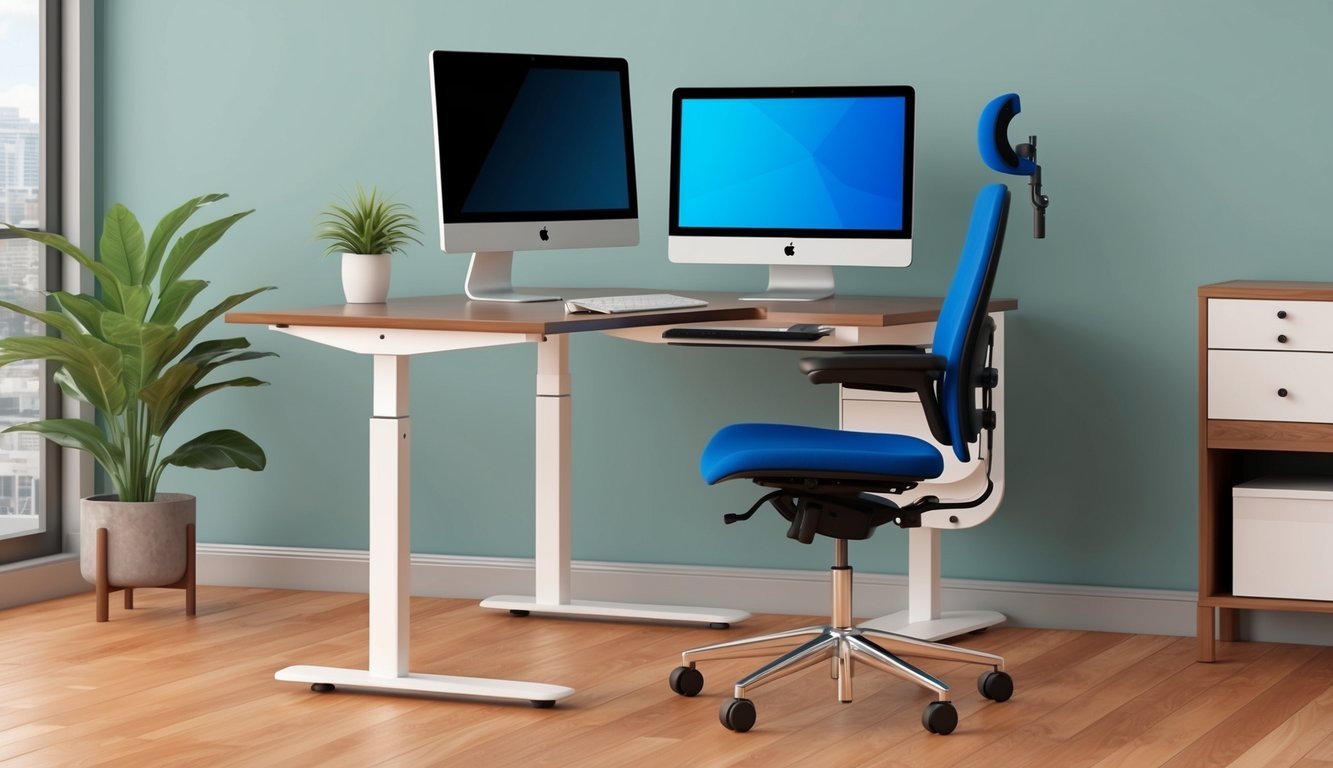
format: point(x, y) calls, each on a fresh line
point(602, 610)
point(539, 694)
point(949, 624)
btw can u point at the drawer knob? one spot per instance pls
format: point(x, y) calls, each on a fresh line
point(1282, 314)
point(1282, 392)
point(1282, 338)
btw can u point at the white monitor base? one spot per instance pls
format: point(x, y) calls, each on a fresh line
point(541, 694)
point(787, 282)
point(606, 610)
point(949, 624)
point(490, 278)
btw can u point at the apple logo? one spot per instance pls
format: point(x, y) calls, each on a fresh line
point(543, 235)
point(790, 250)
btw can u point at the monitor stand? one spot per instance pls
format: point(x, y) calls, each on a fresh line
point(490, 278)
point(788, 282)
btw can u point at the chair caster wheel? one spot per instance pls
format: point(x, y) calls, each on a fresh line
point(518, 612)
point(687, 681)
point(321, 687)
point(996, 685)
point(940, 717)
point(542, 703)
point(737, 715)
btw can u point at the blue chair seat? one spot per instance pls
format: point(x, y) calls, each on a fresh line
point(771, 448)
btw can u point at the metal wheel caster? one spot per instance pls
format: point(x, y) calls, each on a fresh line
point(940, 717)
point(996, 685)
point(542, 703)
point(737, 715)
point(518, 612)
point(321, 687)
point(687, 681)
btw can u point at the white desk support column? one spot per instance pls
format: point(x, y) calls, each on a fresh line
point(390, 526)
point(552, 593)
point(924, 618)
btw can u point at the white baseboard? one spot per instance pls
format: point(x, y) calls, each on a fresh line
point(1146, 611)
point(1056, 606)
point(43, 578)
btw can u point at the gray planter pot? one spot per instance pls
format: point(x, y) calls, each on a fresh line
point(146, 540)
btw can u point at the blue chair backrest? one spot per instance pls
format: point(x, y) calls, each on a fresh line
point(959, 328)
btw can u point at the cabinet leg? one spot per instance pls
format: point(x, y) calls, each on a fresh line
point(1228, 630)
point(1207, 630)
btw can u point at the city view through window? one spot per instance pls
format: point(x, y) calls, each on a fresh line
point(20, 260)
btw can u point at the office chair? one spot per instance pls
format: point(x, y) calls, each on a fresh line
point(828, 482)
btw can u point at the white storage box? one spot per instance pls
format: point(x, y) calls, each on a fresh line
point(1282, 538)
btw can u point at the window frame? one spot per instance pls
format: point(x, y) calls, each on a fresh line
point(45, 564)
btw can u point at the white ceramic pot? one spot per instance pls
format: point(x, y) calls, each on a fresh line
point(146, 540)
point(366, 277)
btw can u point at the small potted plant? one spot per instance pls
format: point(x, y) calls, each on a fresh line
point(137, 362)
point(368, 230)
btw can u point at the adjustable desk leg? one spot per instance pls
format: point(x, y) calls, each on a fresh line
point(552, 553)
point(923, 618)
point(390, 566)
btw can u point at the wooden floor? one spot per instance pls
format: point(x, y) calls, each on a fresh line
point(152, 688)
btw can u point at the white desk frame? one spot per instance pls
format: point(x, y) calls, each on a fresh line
point(390, 515)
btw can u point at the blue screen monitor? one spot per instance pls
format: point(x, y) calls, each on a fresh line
point(799, 179)
point(532, 152)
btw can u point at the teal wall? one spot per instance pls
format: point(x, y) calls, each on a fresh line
point(1183, 143)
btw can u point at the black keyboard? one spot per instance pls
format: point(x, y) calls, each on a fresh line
point(800, 332)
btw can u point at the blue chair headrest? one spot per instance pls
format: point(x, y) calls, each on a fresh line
point(993, 137)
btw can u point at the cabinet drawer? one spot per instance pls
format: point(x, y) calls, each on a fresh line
point(1255, 324)
point(1270, 386)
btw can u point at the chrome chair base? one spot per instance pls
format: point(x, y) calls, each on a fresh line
point(845, 645)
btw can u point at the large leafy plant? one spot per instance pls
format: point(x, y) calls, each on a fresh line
point(133, 358)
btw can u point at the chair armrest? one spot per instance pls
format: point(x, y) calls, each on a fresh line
point(905, 371)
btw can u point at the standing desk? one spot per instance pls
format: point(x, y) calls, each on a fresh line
point(391, 333)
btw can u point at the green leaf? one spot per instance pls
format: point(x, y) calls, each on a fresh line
point(78, 434)
point(166, 229)
point(192, 395)
point(54, 319)
point(190, 330)
point(219, 449)
point(134, 301)
point(161, 398)
point(143, 345)
point(175, 390)
point(86, 310)
point(122, 247)
point(192, 245)
point(95, 366)
point(176, 299)
point(52, 240)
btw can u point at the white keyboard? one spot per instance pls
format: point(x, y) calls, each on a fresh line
point(646, 302)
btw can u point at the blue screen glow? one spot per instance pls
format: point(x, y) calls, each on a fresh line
point(827, 163)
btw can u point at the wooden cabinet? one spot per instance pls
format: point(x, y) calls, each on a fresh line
point(1265, 407)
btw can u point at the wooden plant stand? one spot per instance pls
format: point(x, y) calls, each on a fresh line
point(105, 587)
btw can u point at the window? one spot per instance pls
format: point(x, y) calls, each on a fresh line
point(30, 152)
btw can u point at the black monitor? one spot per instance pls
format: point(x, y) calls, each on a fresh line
point(533, 152)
